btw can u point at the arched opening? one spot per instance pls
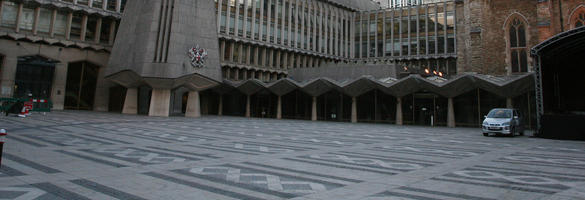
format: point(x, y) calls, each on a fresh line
point(116, 98)
point(559, 81)
point(517, 39)
point(577, 18)
point(296, 105)
point(81, 85)
point(34, 75)
point(333, 106)
point(471, 107)
point(263, 104)
point(375, 106)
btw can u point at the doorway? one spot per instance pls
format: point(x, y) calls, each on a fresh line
point(81, 86)
point(34, 75)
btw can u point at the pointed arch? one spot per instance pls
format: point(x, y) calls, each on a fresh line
point(517, 37)
point(577, 17)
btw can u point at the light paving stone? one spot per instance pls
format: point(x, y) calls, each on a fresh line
point(78, 154)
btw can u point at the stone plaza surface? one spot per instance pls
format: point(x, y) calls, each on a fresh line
point(92, 155)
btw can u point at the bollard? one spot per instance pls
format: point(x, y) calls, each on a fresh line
point(3, 135)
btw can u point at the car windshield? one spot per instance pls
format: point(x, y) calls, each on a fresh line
point(500, 114)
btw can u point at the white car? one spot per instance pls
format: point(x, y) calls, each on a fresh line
point(503, 121)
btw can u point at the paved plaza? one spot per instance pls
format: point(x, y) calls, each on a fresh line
point(92, 155)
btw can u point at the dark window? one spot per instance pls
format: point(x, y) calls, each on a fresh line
point(517, 37)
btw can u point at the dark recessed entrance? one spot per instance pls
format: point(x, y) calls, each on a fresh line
point(559, 83)
point(34, 75)
point(81, 85)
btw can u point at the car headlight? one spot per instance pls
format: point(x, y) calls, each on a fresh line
point(506, 124)
point(486, 123)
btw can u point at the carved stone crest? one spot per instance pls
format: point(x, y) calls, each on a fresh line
point(198, 56)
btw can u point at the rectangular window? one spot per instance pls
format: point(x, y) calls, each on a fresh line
point(91, 28)
point(9, 12)
point(45, 17)
point(76, 26)
point(27, 19)
point(236, 53)
point(60, 24)
point(105, 31)
point(83, 2)
point(112, 5)
point(98, 3)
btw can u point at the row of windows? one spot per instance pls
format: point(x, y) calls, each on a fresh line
point(306, 24)
point(109, 5)
point(253, 55)
point(404, 3)
point(409, 31)
point(57, 23)
point(237, 74)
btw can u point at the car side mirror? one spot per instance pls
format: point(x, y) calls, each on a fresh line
point(485, 116)
point(515, 117)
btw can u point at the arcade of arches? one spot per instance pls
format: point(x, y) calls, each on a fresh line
point(423, 108)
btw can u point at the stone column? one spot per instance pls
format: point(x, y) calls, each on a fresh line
point(131, 102)
point(193, 105)
point(314, 110)
point(509, 103)
point(248, 106)
point(399, 118)
point(8, 75)
point(59, 84)
point(220, 106)
point(450, 113)
point(353, 110)
point(160, 102)
point(102, 92)
point(279, 108)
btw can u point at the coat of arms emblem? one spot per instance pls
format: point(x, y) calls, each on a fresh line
point(198, 56)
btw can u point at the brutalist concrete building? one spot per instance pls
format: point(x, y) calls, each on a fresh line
point(425, 62)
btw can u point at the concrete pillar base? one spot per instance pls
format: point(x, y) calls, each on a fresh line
point(509, 103)
point(248, 106)
point(279, 108)
point(399, 117)
point(131, 102)
point(220, 106)
point(193, 105)
point(450, 113)
point(353, 110)
point(314, 110)
point(160, 103)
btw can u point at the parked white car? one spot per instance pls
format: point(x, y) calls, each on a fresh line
point(503, 121)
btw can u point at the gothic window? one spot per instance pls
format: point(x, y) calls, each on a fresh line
point(579, 20)
point(518, 49)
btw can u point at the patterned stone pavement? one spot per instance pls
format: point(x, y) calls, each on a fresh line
point(92, 155)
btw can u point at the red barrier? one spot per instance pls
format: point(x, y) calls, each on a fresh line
point(3, 135)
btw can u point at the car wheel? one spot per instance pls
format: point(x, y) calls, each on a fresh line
point(486, 134)
point(512, 131)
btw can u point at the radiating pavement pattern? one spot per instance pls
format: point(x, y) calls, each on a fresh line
point(93, 155)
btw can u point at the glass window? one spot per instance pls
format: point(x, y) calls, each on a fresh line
point(9, 12)
point(27, 18)
point(60, 24)
point(91, 28)
point(105, 31)
point(83, 2)
point(517, 38)
point(76, 26)
point(45, 16)
point(112, 5)
point(97, 3)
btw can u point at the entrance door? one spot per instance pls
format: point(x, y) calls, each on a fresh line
point(34, 75)
point(424, 108)
point(81, 86)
